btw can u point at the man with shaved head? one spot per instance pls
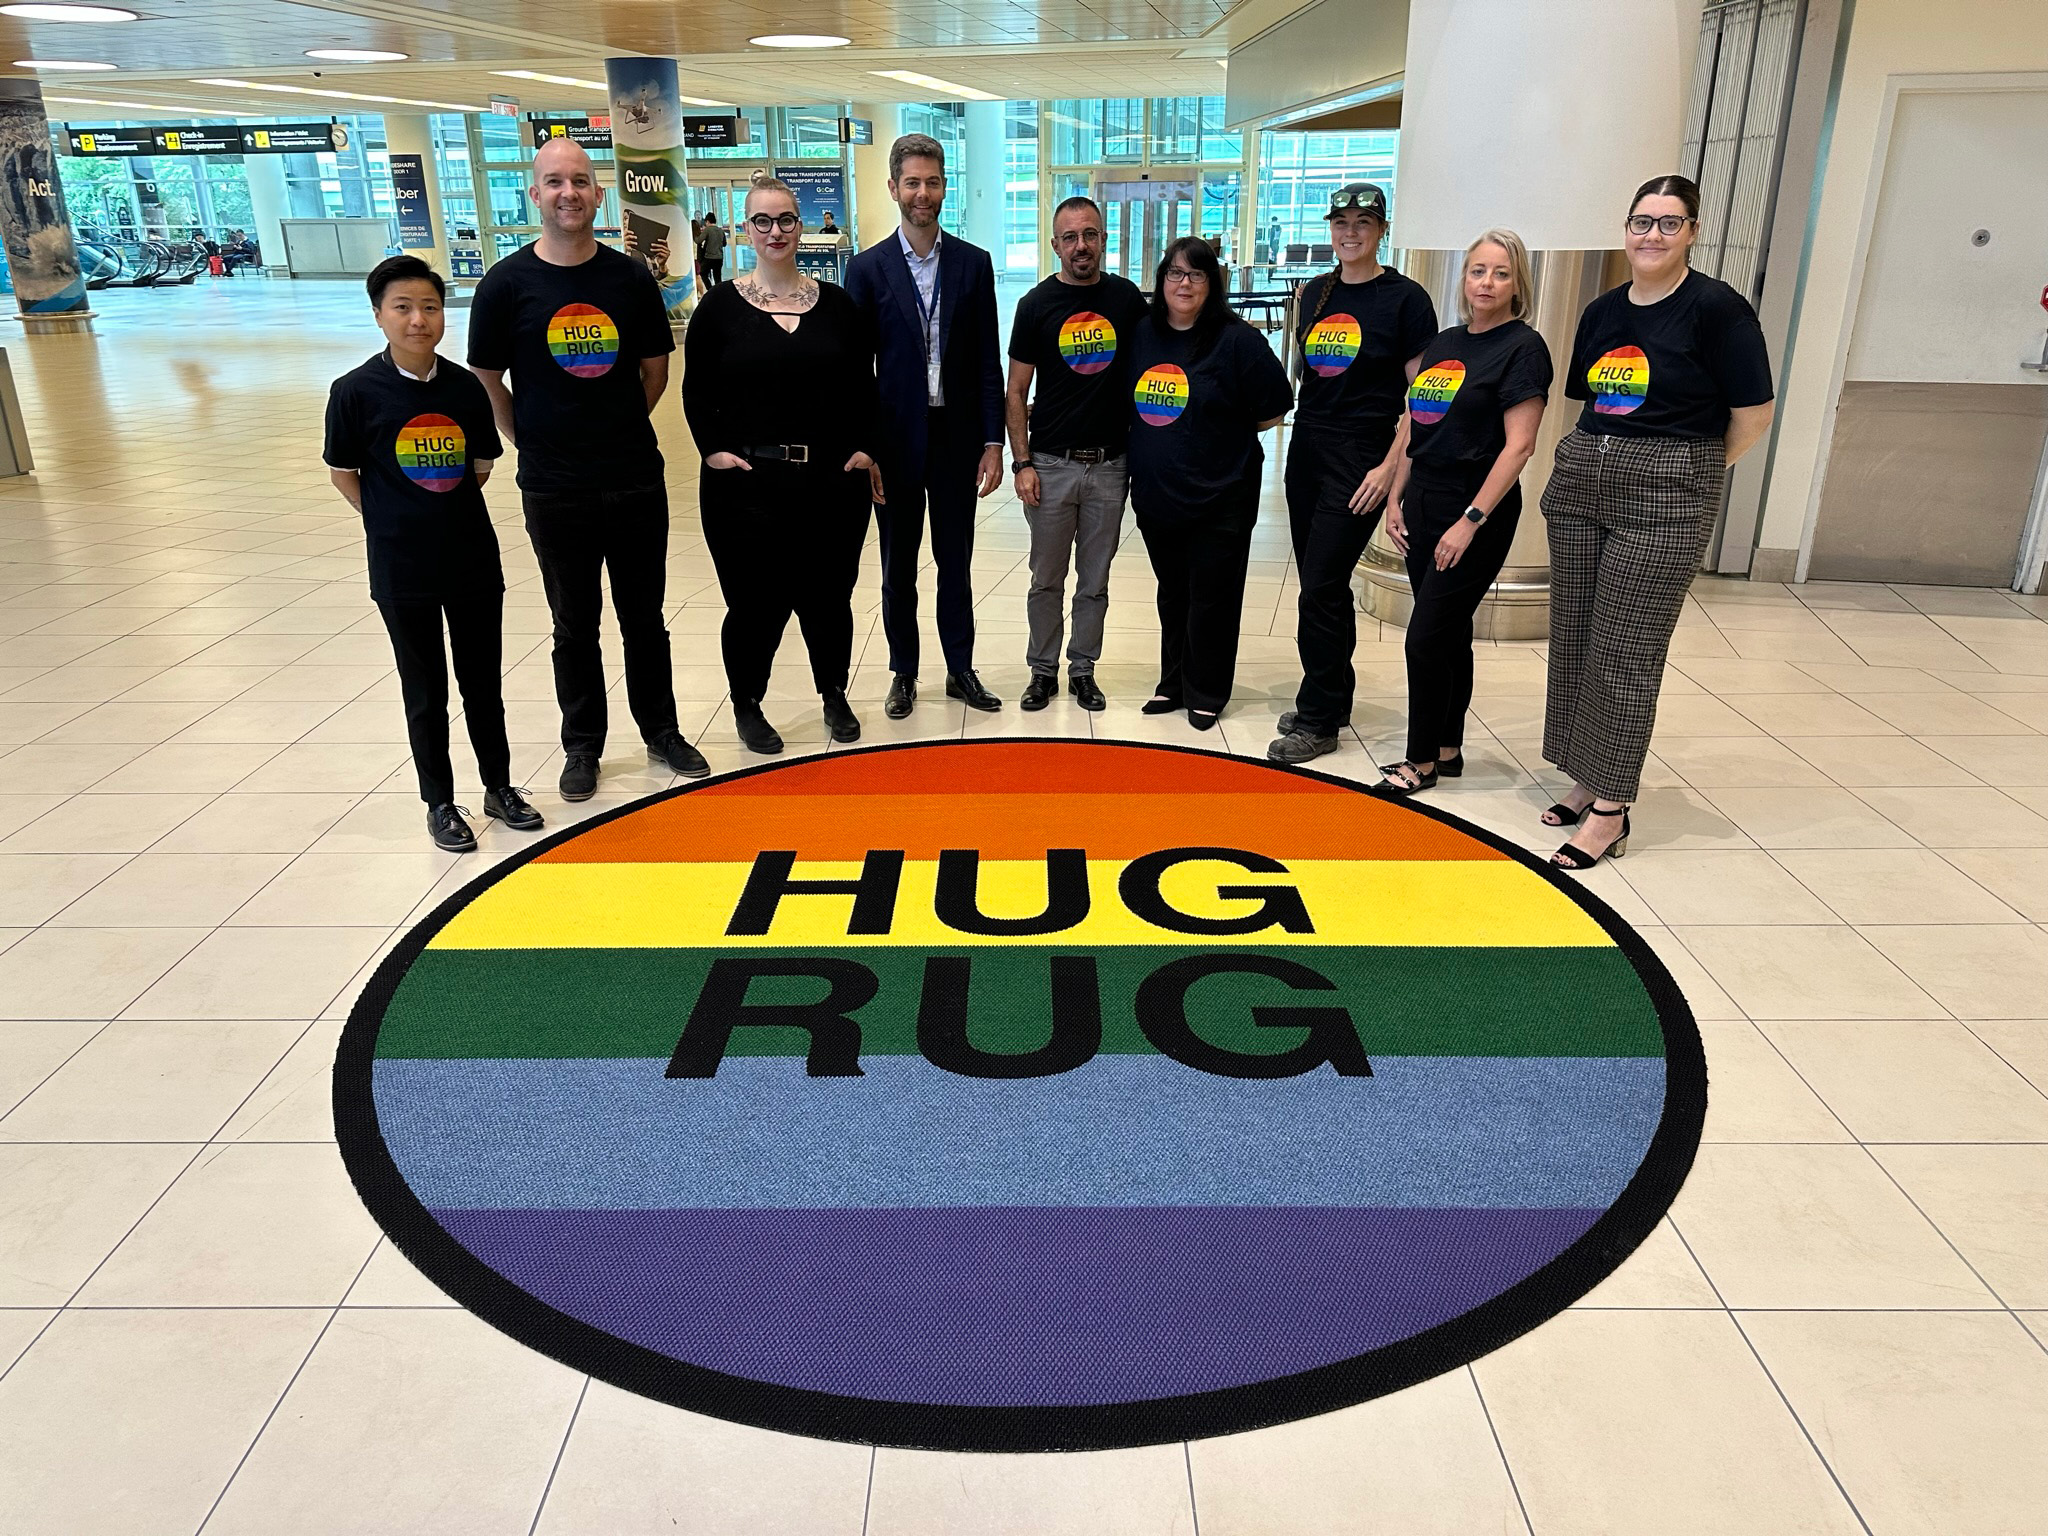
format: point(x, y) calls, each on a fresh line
point(582, 331)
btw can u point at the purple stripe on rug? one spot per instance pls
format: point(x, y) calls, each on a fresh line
point(1004, 1306)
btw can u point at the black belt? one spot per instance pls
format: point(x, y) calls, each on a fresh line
point(1077, 455)
point(794, 453)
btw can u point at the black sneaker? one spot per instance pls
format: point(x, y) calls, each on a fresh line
point(579, 776)
point(754, 728)
point(509, 806)
point(1039, 691)
point(450, 832)
point(1300, 746)
point(840, 719)
point(1082, 686)
point(669, 747)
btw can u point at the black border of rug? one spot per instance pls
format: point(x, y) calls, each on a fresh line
point(1530, 1301)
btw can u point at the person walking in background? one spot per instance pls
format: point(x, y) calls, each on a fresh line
point(711, 250)
point(779, 389)
point(410, 443)
point(1207, 385)
point(1473, 410)
point(1677, 385)
point(1072, 333)
point(931, 300)
point(583, 332)
point(1359, 330)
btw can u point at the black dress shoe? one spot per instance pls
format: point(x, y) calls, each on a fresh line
point(902, 694)
point(1159, 704)
point(1039, 691)
point(669, 747)
point(754, 728)
point(966, 687)
point(1082, 686)
point(1202, 719)
point(509, 806)
point(451, 833)
point(579, 776)
point(840, 719)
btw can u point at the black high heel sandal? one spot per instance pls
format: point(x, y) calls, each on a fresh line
point(1560, 815)
point(1395, 784)
point(1569, 857)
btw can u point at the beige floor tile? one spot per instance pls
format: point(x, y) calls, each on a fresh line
point(1894, 885)
point(1630, 1422)
point(132, 1422)
point(1805, 714)
point(467, 1427)
point(1755, 1095)
point(1807, 818)
point(1117, 1493)
point(631, 1464)
point(160, 889)
point(62, 770)
point(2022, 1042)
point(97, 823)
point(127, 723)
point(2016, 876)
point(346, 889)
point(63, 1208)
point(1961, 1089)
point(1422, 1460)
point(1976, 972)
point(1725, 678)
point(193, 1249)
point(389, 1280)
point(31, 1049)
point(196, 766)
point(1943, 714)
point(2006, 762)
point(1661, 1273)
point(1991, 1202)
point(259, 973)
point(1801, 973)
point(1961, 818)
point(1673, 819)
point(1858, 761)
point(259, 823)
point(1934, 1421)
point(329, 767)
point(1815, 1226)
point(86, 973)
point(1730, 886)
point(1856, 679)
point(160, 1081)
point(1702, 993)
point(18, 1329)
point(34, 887)
point(17, 811)
point(294, 1101)
point(1709, 762)
point(1701, 715)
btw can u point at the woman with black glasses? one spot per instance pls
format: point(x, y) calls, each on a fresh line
point(779, 390)
point(1207, 386)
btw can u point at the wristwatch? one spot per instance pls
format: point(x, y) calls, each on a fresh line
point(1018, 466)
point(1474, 515)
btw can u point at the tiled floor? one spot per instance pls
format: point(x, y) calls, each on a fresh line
point(208, 834)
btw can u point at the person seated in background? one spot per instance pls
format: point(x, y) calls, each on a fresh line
point(410, 442)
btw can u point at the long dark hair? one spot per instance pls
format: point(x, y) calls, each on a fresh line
point(1197, 254)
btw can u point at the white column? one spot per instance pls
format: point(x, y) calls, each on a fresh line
point(978, 185)
point(412, 134)
point(270, 204)
point(874, 214)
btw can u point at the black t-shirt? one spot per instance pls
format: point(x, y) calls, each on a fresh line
point(748, 383)
point(1077, 338)
point(1355, 351)
point(416, 442)
point(1194, 448)
point(572, 339)
point(1464, 386)
point(1669, 369)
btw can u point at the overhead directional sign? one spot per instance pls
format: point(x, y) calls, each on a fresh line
point(714, 132)
point(211, 139)
point(590, 132)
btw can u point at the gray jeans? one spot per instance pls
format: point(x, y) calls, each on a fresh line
point(1080, 512)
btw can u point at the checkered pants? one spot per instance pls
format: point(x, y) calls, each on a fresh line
point(1629, 518)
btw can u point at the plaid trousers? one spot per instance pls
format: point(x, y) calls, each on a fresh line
point(1629, 518)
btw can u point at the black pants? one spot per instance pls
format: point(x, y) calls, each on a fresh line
point(785, 539)
point(714, 272)
point(578, 539)
point(1323, 473)
point(1439, 645)
point(1200, 566)
point(476, 633)
point(945, 482)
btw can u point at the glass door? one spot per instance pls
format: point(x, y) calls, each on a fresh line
point(1143, 218)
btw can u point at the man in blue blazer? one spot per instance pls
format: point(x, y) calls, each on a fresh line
point(932, 304)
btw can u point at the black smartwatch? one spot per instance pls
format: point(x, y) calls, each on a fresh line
point(1018, 466)
point(1474, 515)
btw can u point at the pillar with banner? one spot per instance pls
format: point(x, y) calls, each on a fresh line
point(647, 147)
point(42, 256)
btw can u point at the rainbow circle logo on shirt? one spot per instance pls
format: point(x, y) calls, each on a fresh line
point(1620, 381)
point(1430, 396)
point(1331, 345)
point(583, 340)
point(1019, 1095)
point(1161, 395)
point(1088, 342)
point(432, 452)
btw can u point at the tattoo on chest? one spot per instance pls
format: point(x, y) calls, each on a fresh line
point(778, 303)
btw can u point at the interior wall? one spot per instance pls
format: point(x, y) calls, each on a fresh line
point(1886, 38)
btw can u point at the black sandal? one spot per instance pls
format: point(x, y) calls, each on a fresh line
point(1395, 784)
point(1560, 815)
point(1569, 857)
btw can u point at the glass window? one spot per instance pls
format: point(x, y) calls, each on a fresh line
point(756, 147)
point(1020, 188)
point(1297, 174)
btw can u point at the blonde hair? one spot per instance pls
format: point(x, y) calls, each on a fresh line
point(1518, 272)
point(770, 184)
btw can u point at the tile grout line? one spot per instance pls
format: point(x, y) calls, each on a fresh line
point(1500, 1449)
point(1187, 1456)
point(867, 1502)
point(561, 1450)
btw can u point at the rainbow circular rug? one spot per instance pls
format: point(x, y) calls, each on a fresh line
point(1019, 1095)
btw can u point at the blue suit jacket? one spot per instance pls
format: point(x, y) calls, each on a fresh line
point(970, 367)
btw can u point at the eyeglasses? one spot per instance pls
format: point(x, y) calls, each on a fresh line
point(1067, 237)
point(1670, 224)
point(1185, 275)
point(763, 222)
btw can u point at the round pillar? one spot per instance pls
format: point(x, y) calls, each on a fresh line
point(413, 134)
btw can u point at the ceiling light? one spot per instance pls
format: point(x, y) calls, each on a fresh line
point(699, 101)
point(308, 90)
point(534, 74)
point(944, 88)
point(61, 64)
point(355, 55)
point(89, 101)
point(800, 40)
point(68, 13)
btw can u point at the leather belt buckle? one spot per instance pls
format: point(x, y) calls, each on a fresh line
point(1087, 455)
point(789, 453)
point(797, 453)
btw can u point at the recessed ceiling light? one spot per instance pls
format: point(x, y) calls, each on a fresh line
point(945, 88)
point(308, 90)
point(534, 74)
point(68, 13)
point(800, 40)
point(355, 55)
point(61, 64)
